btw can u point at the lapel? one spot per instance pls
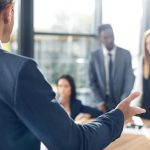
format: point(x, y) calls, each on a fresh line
point(116, 62)
point(74, 107)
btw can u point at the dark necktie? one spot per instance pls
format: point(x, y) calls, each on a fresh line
point(111, 90)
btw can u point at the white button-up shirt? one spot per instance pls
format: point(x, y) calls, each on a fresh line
point(1, 46)
point(106, 64)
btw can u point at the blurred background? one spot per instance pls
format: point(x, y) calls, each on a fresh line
point(63, 34)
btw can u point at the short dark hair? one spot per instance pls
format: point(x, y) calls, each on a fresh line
point(104, 27)
point(70, 79)
point(3, 3)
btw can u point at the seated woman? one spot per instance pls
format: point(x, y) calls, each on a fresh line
point(67, 98)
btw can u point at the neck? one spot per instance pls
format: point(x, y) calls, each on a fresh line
point(110, 49)
point(65, 102)
point(66, 106)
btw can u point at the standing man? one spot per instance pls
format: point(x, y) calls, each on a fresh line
point(29, 113)
point(110, 71)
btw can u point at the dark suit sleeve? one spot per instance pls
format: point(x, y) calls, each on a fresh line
point(93, 80)
point(129, 77)
point(35, 105)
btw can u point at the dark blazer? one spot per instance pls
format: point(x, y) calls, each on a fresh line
point(29, 113)
point(77, 107)
point(145, 102)
point(123, 77)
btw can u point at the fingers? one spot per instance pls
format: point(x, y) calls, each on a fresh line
point(130, 120)
point(79, 116)
point(86, 116)
point(137, 110)
point(132, 96)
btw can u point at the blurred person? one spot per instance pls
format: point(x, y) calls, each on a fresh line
point(110, 71)
point(30, 114)
point(143, 75)
point(66, 90)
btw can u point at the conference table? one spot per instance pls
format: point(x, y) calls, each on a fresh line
point(133, 141)
point(129, 141)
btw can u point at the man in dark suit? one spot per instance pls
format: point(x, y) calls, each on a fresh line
point(29, 112)
point(110, 71)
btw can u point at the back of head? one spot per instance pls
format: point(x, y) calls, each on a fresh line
point(6, 19)
point(3, 3)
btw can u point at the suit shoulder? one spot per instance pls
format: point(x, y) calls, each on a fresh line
point(76, 102)
point(124, 51)
point(16, 59)
point(95, 52)
point(15, 63)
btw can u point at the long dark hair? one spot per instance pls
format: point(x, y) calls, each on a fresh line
point(70, 79)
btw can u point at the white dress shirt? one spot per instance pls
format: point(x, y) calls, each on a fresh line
point(1, 46)
point(106, 64)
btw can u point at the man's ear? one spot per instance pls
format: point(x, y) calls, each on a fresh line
point(7, 14)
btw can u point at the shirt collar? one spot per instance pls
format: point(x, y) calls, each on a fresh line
point(1, 46)
point(106, 51)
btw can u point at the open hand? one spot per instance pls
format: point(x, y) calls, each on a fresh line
point(128, 110)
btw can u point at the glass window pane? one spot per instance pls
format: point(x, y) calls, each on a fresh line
point(125, 17)
point(67, 16)
point(59, 55)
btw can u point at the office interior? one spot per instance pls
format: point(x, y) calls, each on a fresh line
point(61, 34)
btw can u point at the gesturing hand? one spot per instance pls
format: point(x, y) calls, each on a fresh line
point(128, 110)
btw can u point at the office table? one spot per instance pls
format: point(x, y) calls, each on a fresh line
point(129, 141)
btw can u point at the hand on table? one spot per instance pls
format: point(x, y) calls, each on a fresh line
point(82, 118)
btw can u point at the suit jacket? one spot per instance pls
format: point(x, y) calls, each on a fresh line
point(77, 107)
point(29, 113)
point(123, 77)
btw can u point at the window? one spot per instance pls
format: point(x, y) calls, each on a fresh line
point(64, 34)
point(64, 38)
point(125, 18)
point(64, 16)
point(59, 55)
